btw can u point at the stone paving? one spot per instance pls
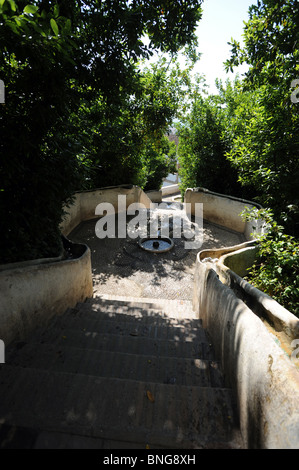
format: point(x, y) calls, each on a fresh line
point(121, 267)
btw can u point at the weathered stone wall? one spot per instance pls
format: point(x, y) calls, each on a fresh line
point(171, 189)
point(85, 203)
point(263, 378)
point(31, 295)
point(155, 196)
point(224, 210)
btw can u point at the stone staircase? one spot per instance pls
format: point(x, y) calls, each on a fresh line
point(117, 373)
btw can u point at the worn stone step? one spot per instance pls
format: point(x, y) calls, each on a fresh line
point(178, 308)
point(131, 343)
point(19, 437)
point(171, 415)
point(153, 323)
point(148, 316)
point(117, 323)
point(104, 363)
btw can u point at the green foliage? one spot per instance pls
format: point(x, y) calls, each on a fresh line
point(276, 271)
point(160, 160)
point(37, 168)
point(73, 101)
point(264, 140)
point(265, 153)
point(271, 43)
point(265, 143)
point(125, 142)
point(203, 144)
point(253, 126)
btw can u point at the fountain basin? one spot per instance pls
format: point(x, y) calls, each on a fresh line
point(156, 244)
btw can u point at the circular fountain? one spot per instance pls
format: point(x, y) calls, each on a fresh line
point(156, 244)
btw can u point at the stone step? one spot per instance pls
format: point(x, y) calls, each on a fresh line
point(156, 327)
point(88, 373)
point(103, 363)
point(131, 343)
point(20, 437)
point(147, 322)
point(147, 316)
point(108, 408)
point(171, 308)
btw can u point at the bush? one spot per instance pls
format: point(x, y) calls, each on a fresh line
point(203, 145)
point(159, 161)
point(276, 270)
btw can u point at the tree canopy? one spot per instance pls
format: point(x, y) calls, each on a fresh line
point(245, 140)
point(254, 138)
point(267, 149)
point(73, 89)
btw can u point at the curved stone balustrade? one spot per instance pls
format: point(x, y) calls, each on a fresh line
point(254, 338)
point(225, 211)
point(31, 292)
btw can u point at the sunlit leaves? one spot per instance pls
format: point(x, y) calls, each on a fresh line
point(30, 9)
point(12, 5)
point(271, 38)
point(204, 141)
point(54, 26)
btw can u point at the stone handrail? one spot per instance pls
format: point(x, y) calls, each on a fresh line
point(252, 336)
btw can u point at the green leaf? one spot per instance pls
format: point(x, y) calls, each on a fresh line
point(30, 9)
point(13, 27)
point(54, 26)
point(18, 21)
point(12, 5)
point(68, 26)
point(56, 10)
point(2, 3)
